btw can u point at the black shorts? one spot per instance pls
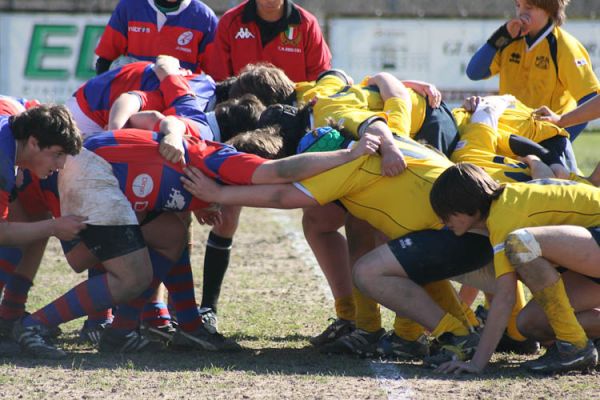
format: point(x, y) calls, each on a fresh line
point(107, 242)
point(439, 129)
point(429, 256)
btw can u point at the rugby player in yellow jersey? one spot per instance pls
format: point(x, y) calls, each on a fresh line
point(336, 97)
point(538, 61)
point(421, 252)
point(534, 227)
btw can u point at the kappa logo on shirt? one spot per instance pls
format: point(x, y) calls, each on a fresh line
point(244, 33)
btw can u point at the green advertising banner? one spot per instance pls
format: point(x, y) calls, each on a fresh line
point(47, 57)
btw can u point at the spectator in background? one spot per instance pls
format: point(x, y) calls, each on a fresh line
point(275, 31)
point(144, 29)
point(537, 61)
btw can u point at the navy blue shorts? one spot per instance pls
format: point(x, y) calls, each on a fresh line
point(429, 256)
point(439, 129)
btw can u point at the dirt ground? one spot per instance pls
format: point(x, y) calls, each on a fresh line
point(272, 302)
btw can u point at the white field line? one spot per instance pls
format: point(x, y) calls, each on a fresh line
point(388, 375)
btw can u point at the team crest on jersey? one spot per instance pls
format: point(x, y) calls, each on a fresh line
point(176, 200)
point(185, 38)
point(542, 62)
point(244, 33)
point(515, 58)
point(291, 36)
point(142, 185)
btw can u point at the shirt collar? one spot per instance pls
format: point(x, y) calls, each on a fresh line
point(290, 14)
point(531, 43)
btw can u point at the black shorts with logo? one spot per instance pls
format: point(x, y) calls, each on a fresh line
point(430, 255)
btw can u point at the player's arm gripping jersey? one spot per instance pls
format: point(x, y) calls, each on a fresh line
point(539, 203)
point(152, 183)
point(138, 29)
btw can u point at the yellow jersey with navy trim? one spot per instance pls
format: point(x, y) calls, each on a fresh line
point(478, 145)
point(556, 71)
point(354, 104)
point(541, 202)
point(394, 205)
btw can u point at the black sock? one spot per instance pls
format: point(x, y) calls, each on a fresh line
point(216, 261)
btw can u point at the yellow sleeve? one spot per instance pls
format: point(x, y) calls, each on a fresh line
point(325, 87)
point(335, 183)
point(495, 65)
point(398, 116)
point(575, 69)
point(348, 114)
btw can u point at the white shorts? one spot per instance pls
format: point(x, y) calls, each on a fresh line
point(87, 187)
point(84, 123)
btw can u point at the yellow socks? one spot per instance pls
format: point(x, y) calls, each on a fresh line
point(368, 313)
point(445, 296)
point(344, 308)
point(449, 323)
point(520, 302)
point(560, 314)
point(407, 329)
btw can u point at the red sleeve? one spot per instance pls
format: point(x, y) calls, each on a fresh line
point(174, 87)
point(152, 100)
point(238, 169)
point(218, 57)
point(191, 128)
point(318, 56)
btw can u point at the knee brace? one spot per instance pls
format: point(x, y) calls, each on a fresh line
point(521, 247)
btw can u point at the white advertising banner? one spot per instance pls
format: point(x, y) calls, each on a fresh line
point(433, 50)
point(47, 56)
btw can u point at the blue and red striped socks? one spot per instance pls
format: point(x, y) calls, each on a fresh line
point(180, 284)
point(15, 297)
point(9, 259)
point(87, 297)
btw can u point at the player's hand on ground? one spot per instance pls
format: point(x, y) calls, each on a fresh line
point(200, 185)
point(470, 104)
point(368, 144)
point(545, 114)
point(392, 161)
point(171, 148)
point(458, 367)
point(68, 227)
point(209, 216)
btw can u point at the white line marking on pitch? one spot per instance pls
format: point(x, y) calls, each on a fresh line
point(388, 375)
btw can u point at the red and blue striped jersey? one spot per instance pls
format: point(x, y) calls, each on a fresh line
point(138, 29)
point(96, 96)
point(152, 183)
point(14, 105)
point(8, 154)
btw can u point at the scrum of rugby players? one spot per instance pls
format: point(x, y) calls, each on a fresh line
point(426, 195)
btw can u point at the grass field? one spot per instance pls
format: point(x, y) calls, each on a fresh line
point(272, 302)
